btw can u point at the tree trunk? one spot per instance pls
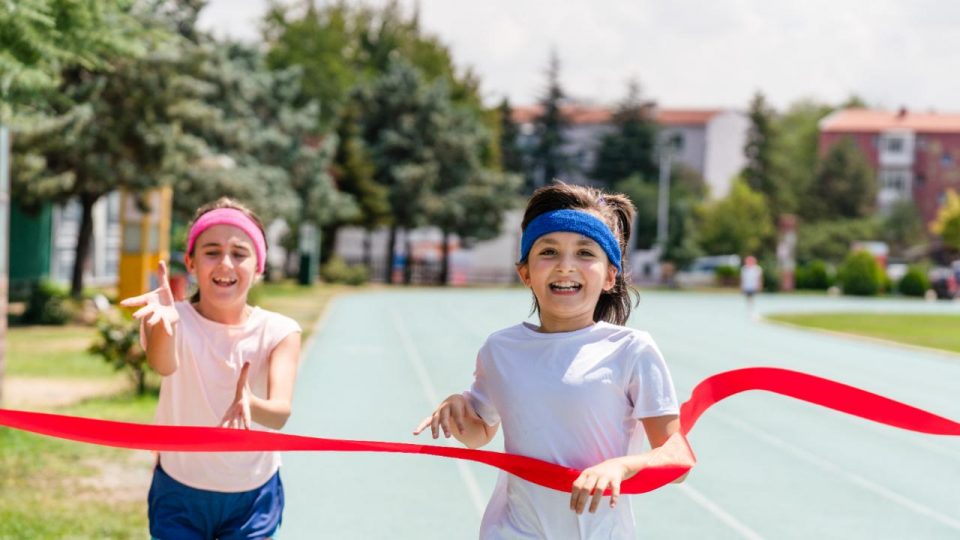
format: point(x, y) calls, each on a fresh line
point(328, 242)
point(445, 259)
point(83, 243)
point(391, 247)
point(408, 260)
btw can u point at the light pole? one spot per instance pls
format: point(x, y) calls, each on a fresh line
point(667, 147)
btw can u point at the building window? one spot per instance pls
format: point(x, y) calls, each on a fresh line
point(894, 145)
point(946, 160)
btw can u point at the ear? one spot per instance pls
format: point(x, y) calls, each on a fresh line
point(611, 279)
point(188, 262)
point(523, 270)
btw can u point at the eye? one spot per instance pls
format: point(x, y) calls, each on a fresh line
point(547, 252)
point(587, 253)
point(240, 254)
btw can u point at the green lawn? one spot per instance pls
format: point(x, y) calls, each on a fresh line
point(934, 331)
point(51, 488)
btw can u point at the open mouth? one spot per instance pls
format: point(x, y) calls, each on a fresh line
point(224, 282)
point(565, 287)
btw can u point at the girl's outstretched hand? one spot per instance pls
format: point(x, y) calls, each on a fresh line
point(456, 410)
point(238, 413)
point(157, 305)
point(593, 481)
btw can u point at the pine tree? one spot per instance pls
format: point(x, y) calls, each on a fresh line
point(547, 159)
point(511, 159)
point(760, 171)
point(630, 149)
point(845, 186)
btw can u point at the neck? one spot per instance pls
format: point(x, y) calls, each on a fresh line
point(223, 314)
point(550, 324)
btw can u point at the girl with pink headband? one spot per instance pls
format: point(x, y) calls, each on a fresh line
point(224, 363)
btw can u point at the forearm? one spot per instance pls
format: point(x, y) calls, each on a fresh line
point(161, 349)
point(632, 464)
point(272, 413)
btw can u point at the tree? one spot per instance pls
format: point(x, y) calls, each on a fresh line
point(125, 134)
point(739, 223)
point(511, 158)
point(902, 226)
point(947, 222)
point(760, 172)
point(630, 149)
point(844, 186)
point(547, 158)
point(795, 153)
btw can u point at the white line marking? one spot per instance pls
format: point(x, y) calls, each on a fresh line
point(473, 488)
point(718, 512)
point(839, 471)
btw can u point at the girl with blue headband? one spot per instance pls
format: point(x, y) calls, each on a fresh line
point(574, 390)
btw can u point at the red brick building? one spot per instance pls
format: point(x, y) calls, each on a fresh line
point(916, 156)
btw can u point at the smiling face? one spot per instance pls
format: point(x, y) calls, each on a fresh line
point(567, 272)
point(224, 263)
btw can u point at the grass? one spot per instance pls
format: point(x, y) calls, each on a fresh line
point(934, 331)
point(51, 488)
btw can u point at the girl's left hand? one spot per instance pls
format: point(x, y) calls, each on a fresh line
point(592, 482)
point(238, 413)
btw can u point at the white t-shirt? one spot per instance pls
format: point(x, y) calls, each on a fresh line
point(751, 278)
point(571, 398)
point(198, 393)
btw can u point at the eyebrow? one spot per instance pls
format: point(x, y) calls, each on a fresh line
point(217, 244)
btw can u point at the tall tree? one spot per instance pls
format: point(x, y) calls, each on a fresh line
point(796, 153)
point(947, 222)
point(845, 186)
point(629, 150)
point(511, 158)
point(739, 223)
point(760, 172)
point(547, 158)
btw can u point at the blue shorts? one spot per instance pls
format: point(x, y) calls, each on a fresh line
point(177, 511)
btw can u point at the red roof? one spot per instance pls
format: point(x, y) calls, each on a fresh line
point(868, 120)
point(592, 114)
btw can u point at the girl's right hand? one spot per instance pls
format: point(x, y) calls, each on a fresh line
point(157, 304)
point(454, 409)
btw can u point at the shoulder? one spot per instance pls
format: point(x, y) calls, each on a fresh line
point(630, 336)
point(506, 335)
point(278, 322)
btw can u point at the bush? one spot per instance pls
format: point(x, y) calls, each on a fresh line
point(338, 271)
point(861, 275)
point(814, 276)
point(727, 276)
point(118, 343)
point(47, 304)
point(914, 282)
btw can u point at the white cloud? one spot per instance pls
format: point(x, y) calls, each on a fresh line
point(692, 52)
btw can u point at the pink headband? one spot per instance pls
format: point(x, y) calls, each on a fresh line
point(234, 218)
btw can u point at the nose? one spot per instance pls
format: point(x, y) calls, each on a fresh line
point(565, 263)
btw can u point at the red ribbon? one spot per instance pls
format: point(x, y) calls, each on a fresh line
point(668, 462)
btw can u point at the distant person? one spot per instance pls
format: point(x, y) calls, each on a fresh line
point(575, 389)
point(751, 279)
point(224, 363)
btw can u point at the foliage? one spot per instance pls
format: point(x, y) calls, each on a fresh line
point(630, 149)
point(727, 276)
point(947, 222)
point(338, 271)
point(831, 240)
point(813, 276)
point(861, 275)
point(118, 344)
point(914, 283)
point(548, 161)
point(511, 157)
point(760, 172)
point(739, 223)
point(795, 153)
point(902, 226)
point(845, 186)
point(48, 305)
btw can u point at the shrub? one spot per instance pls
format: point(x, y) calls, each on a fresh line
point(914, 282)
point(47, 304)
point(338, 271)
point(118, 343)
point(813, 276)
point(861, 275)
point(727, 276)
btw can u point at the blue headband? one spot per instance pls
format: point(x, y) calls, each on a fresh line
point(574, 221)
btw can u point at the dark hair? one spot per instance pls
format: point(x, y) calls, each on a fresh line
point(617, 212)
point(224, 202)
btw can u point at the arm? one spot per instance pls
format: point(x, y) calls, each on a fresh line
point(592, 482)
point(158, 323)
point(273, 411)
point(456, 416)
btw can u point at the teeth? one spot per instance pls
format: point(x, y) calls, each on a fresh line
point(565, 285)
point(224, 281)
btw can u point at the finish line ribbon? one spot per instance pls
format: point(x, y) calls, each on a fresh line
point(669, 462)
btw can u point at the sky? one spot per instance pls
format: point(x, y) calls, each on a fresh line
point(687, 53)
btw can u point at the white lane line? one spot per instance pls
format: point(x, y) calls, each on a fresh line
point(839, 471)
point(473, 488)
point(718, 512)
